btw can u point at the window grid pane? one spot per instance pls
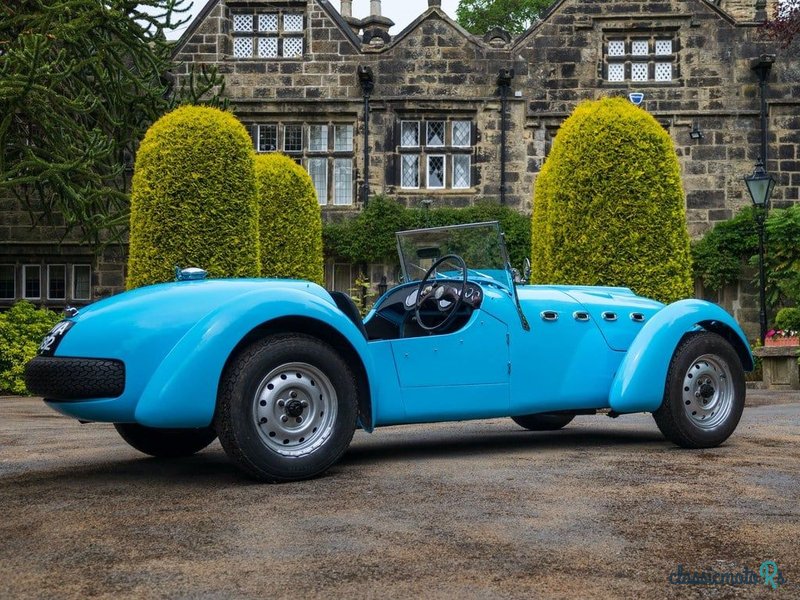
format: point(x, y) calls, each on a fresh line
point(318, 170)
point(436, 172)
point(8, 288)
point(343, 138)
point(409, 176)
point(640, 48)
point(663, 71)
point(616, 48)
point(435, 133)
point(268, 22)
point(461, 171)
point(663, 47)
point(242, 47)
point(293, 22)
point(292, 47)
point(639, 71)
point(32, 276)
point(268, 47)
point(56, 282)
point(342, 181)
point(616, 72)
point(462, 132)
point(293, 138)
point(267, 138)
point(318, 138)
point(81, 282)
point(243, 23)
point(409, 134)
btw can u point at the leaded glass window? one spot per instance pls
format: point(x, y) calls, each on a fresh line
point(436, 172)
point(409, 134)
point(435, 133)
point(462, 133)
point(318, 170)
point(343, 138)
point(342, 181)
point(81, 282)
point(318, 138)
point(293, 138)
point(409, 176)
point(461, 171)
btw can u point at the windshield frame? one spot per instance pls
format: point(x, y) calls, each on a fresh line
point(506, 282)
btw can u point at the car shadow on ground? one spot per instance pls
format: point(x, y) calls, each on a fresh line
point(212, 468)
point(448, 444)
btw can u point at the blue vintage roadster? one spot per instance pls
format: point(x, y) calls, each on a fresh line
point(283, 371)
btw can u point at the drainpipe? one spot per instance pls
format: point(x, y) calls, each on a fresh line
point(504, 78)
point(762, 66)
point(367, 82)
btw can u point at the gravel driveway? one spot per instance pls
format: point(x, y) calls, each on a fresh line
point(605, 508)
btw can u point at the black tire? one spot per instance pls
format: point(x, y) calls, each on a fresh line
point(250, 412)
point(684, 392)
point(166, 443)
point(544, 421)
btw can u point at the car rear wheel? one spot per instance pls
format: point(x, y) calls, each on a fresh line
point(704, 392)
point(543, 421)
point(287, 408)
point(166, 443)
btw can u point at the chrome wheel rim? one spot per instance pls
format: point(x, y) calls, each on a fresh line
point(708, 392)
point(294, 409)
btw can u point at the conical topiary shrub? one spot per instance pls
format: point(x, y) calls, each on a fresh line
point(290, 220)
point(608, 205)
point(194, 200)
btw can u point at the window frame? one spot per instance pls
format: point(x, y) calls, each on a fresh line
point(280, 33)
point(453, 171)
point(428, 158)
point(324, 160)
point(49, 267)
point(25, 282)
point(323, 127)
point(258, 137)
point(286, 128)
point(444, 133)
point(419, 139)
point(336, 127)
point(352, 182)
point(13, 268)
point(453, 136)
point(74, 295)
point(419, 179)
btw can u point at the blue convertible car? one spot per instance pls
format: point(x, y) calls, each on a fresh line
point(283, 371)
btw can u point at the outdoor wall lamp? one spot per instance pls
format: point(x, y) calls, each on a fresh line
point(696, 133)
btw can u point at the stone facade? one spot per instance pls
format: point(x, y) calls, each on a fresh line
point(435, 123)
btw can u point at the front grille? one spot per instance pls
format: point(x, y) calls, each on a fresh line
point(65, 378)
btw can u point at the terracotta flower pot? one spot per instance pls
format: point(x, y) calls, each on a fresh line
point(783, 341)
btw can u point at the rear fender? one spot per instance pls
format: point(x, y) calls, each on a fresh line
point(639, 383)
point(183, 390)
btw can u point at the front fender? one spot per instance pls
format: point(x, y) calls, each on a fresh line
point(183, 389)
point(639, 383)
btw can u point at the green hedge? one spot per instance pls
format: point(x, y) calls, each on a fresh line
point(22, 329)
point(720, 255)
point(369, 237)
point(788, 319)
point(608, 206)
point(193, 200)
point(290, 220)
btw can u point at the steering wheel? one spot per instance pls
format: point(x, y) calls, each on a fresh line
point(441, 292)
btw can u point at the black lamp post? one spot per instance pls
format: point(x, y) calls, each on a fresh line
point(760, 185)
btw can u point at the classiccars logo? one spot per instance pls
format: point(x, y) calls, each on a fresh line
point(767, 574)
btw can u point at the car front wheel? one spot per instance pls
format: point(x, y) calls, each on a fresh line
point(704, 392)
point(166, 443)
point(287, 408)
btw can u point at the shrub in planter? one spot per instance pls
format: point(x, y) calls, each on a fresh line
point(193, 200)
point(290, 220)
point(608, 205)
point(21, 331)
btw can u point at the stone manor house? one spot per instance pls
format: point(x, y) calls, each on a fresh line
point(436, 115)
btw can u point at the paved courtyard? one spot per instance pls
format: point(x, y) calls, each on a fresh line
point(605, 508)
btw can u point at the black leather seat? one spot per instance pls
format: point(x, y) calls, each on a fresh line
point(348, 307)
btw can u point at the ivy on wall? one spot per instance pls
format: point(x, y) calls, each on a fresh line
point(369, 237)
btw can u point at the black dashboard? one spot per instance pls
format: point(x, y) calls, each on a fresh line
point(395, 315)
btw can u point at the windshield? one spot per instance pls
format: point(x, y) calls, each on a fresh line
point(479, 244)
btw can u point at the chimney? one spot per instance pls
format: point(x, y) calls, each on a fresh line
point(376, 27)
point(347, 8)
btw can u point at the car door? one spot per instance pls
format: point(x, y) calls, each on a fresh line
point(459, 375)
